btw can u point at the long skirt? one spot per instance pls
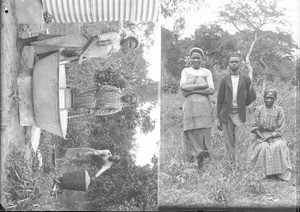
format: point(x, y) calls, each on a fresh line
point(272, 158)
point(196, 141)
point(197, 112)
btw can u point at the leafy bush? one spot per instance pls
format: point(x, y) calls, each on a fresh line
point(110, 77)
point(25, 187)
point(170, 86)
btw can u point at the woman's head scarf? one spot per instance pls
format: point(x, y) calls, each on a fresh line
point(196, 49)
point(270, 90)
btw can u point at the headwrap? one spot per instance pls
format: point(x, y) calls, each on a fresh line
point(270, 90)
point(234, 54)
point(135, 96)
point(196, 49)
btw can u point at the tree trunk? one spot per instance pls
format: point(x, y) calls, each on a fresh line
point(248, 64)
point(288, 93)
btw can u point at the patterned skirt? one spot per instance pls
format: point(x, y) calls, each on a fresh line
point(86, 100)
point(272, 157)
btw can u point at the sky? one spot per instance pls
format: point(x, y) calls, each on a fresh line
point(209, 13)
point(153, 56)
point(148, 143)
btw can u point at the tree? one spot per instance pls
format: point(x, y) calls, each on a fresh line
point(175, 8)
point(252, 16)
point(173, 54)
point(144, 31)
point(147, 92)
point(216, 44)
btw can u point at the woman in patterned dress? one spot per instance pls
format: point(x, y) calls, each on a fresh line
point(270, 151)
point(101, 100)
point(197, 84)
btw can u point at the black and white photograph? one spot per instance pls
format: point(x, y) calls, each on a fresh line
point(79, 105)
point(230, 76)
point(150, 105)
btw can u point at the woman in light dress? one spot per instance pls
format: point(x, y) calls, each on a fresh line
point(197, 84)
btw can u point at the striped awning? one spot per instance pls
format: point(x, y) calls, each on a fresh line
point(65, 11)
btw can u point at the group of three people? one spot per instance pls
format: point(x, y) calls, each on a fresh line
point(235, 93)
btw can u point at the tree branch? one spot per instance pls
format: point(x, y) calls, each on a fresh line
point(234, 24)
point(248, 65)
point(288, 93)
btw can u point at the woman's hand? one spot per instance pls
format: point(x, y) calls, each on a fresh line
point(81, 59)
point(205, 85)
point(266, 139)
point(261, 140)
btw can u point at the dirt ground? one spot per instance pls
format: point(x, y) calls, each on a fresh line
point(12, 134)
point(12, 62)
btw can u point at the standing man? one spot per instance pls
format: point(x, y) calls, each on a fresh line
point(235, 93)
point(82, 46)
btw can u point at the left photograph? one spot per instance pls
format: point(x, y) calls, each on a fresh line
point(79, 105)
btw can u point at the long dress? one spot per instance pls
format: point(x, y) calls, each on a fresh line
point(197, 113)
point(273, 156)
point(105, 99)
point(108, 44)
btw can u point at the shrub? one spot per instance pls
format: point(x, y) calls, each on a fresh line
point(110, 77)
point(170, 86)
point(23, 187)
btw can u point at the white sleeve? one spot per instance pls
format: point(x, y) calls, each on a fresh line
point(103, 169)
point(183, 78)
point(105, 152)
point(110, 36)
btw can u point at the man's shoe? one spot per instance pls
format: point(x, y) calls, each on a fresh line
point(200, 161)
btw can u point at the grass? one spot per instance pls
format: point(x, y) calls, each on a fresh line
point(26, 187)
point(180, 184)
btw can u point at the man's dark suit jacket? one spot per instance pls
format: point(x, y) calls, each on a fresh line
point(245, 96)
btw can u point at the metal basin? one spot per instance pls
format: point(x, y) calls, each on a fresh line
point(49, 80)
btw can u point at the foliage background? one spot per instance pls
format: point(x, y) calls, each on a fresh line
point(125, 186)
point(274, 63)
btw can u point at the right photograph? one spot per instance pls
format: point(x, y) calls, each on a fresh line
point(229, 81)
